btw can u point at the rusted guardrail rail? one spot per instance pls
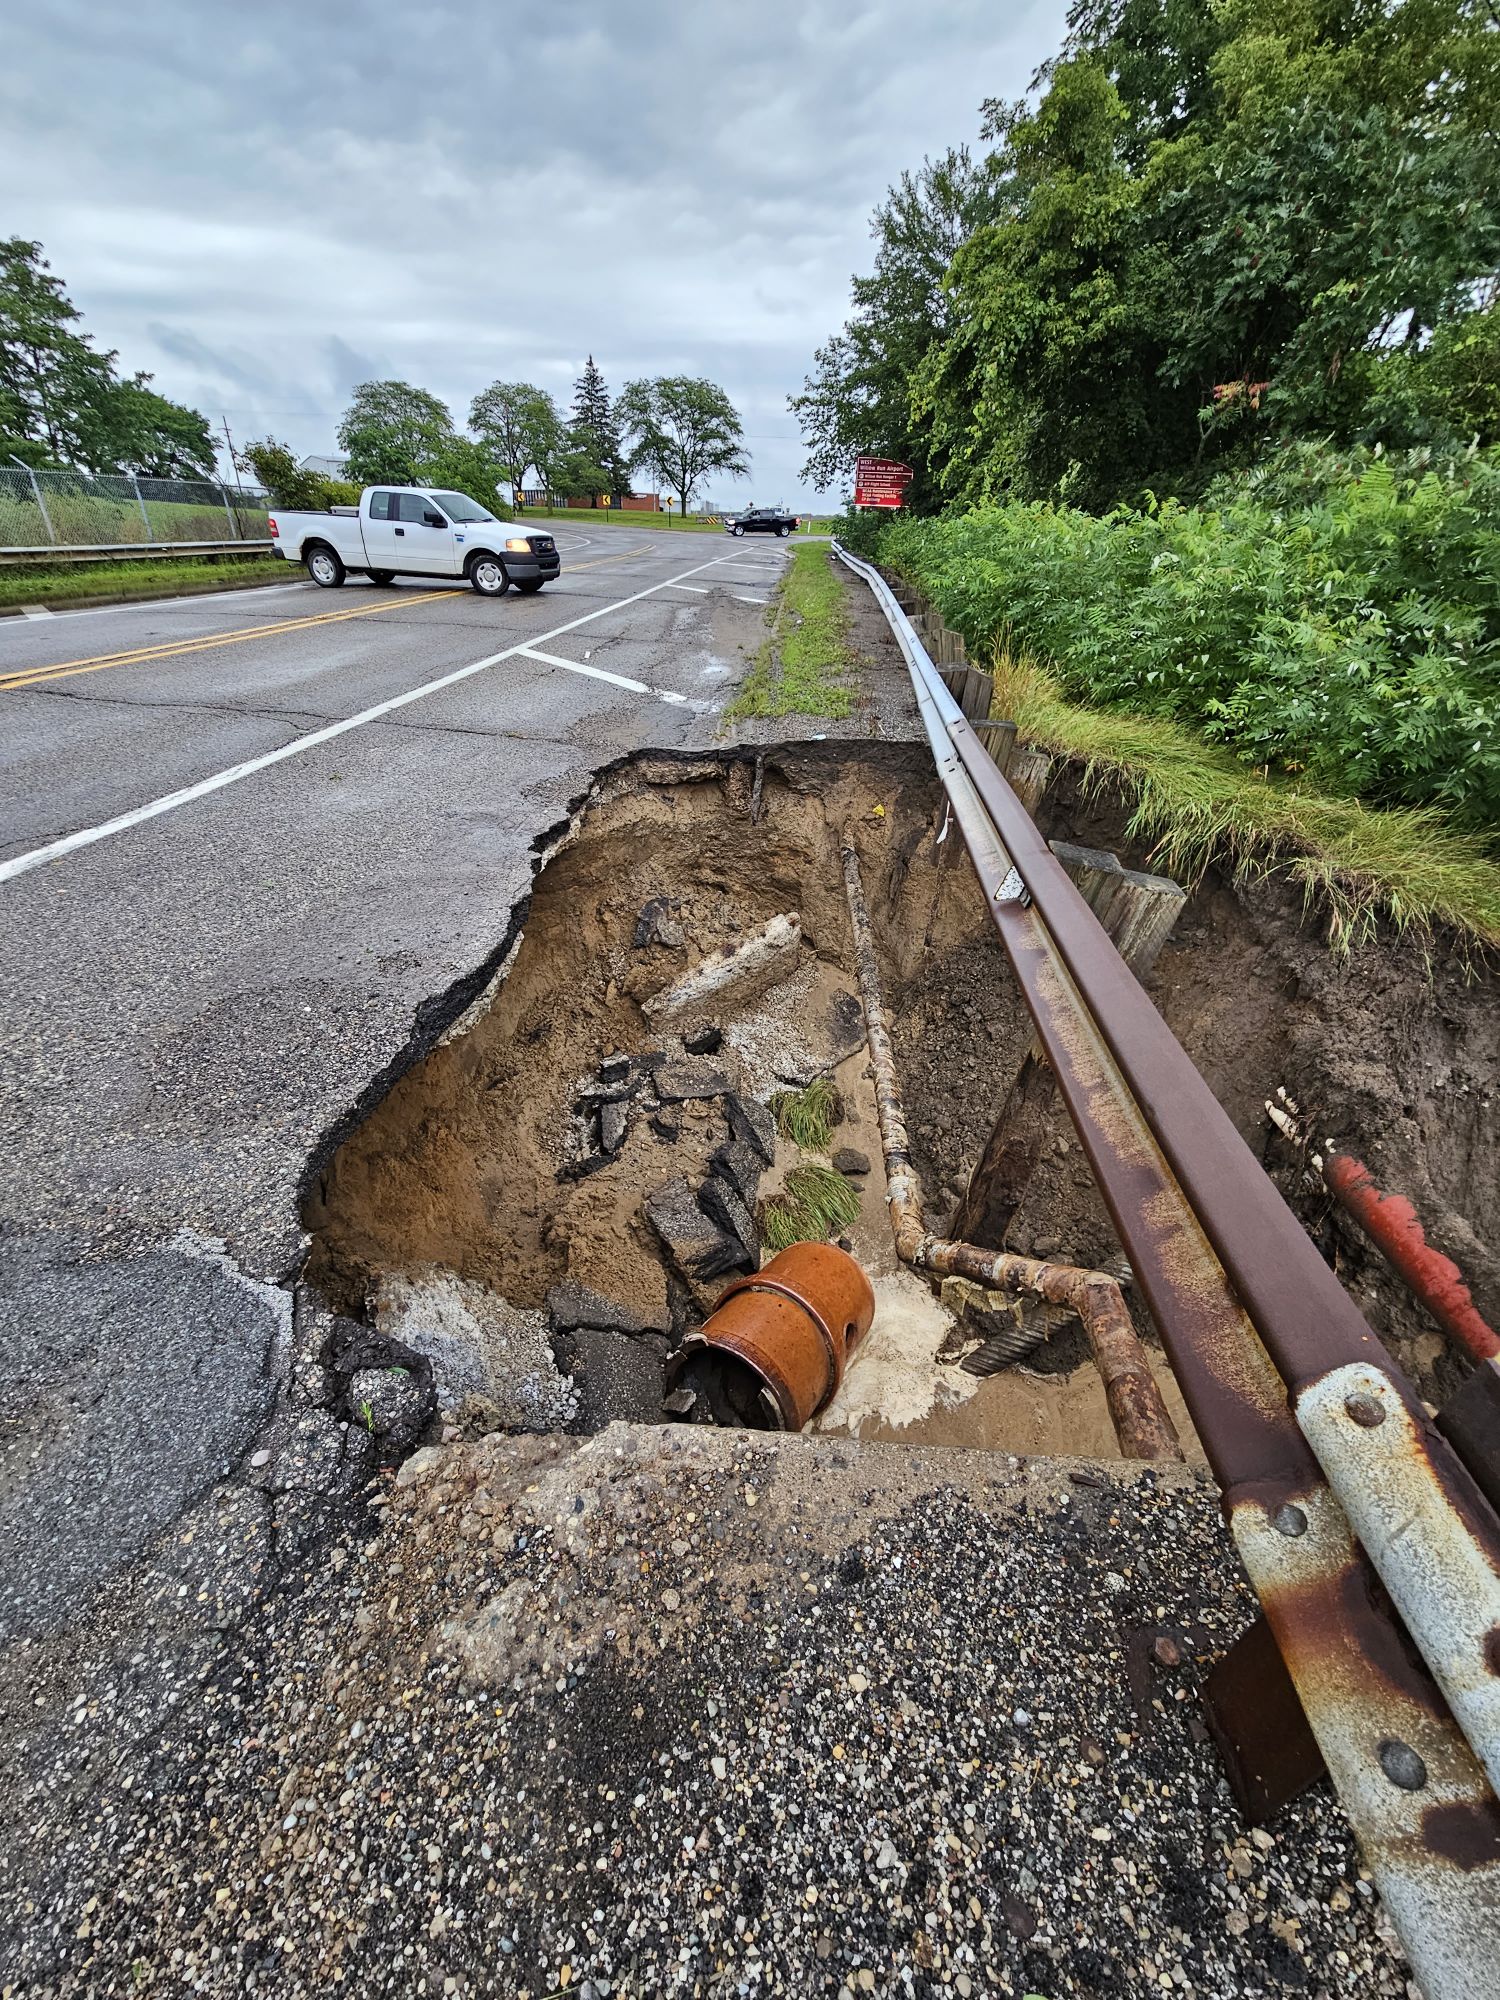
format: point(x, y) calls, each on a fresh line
point(1375, 1556)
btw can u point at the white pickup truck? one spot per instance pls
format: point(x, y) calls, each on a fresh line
point(416, 531)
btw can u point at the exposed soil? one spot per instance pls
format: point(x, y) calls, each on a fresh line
point(1394, 1053)
point(474, 1165)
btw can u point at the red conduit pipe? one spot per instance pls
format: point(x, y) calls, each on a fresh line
point(1392, 1224)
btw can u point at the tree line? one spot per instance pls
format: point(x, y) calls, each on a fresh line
point(677, 429)
point(1210, 232)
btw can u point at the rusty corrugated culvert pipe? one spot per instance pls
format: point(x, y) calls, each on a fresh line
point(772, 1353)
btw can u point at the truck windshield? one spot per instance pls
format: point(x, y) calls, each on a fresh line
point(459, 507)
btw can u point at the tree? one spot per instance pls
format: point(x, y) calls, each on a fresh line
point(577, 472)
point(858, 397)
point(519, 425)
point(1046, 382)
point(130, 427)
point(594, 439)
point(52, 380)
point(465, 467)
point(1215, 229)
point(682, 428)
point(274, 466)
point(390, 429)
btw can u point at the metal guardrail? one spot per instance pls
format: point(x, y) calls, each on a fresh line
point(118, 552)
point(1338, 1489)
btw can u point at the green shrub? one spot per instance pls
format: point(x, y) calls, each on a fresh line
point(1352, 642)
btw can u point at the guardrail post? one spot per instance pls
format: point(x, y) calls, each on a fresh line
point(41, 503)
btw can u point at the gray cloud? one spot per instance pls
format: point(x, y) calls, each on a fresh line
point(263, 206)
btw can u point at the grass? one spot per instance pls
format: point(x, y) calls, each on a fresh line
point(802, 666)
point(814, 1204)
point(123, 581)
point(807, 1116)
point(1197, 803)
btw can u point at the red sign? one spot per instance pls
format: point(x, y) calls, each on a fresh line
point(880, 482)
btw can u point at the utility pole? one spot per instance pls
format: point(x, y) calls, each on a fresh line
point(235, 473)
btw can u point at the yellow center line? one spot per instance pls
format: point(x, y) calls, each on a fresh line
point(206, 642)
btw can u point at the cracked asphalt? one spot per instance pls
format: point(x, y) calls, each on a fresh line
point(189, 1005)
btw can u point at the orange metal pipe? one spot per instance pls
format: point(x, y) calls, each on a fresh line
point(1393, 1225)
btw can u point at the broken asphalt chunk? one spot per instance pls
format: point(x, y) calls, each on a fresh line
point(676, 1082)
point(741, 1166)
point(720, 1201)
point(699, 1249)
point(752, 1124)
point(657, 925)
point(613, 1117)
point(571, 1305)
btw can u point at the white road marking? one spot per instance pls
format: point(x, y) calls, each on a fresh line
point(36, 611)
point(599, 674)
point(749, 600)
point(577, 667)
point(21, 864)
point(697, 589)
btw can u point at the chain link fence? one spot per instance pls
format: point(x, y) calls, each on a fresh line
point(84, 510)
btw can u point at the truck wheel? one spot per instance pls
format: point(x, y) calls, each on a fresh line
point(324, 567)
point(487, 576)
point(783, 531)
point(382, 575)
point(738, 529)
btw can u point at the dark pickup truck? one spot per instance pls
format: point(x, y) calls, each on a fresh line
point(760, 521)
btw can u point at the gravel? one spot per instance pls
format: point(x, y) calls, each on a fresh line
point(672, 1712)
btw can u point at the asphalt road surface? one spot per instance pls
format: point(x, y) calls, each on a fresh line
point(243, 840)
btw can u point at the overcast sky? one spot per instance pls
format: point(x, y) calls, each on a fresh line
point(268, 203)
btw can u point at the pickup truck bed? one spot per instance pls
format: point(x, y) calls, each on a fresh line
point(417, 531)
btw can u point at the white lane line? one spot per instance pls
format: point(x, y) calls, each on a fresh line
point(697, 589)
point(599, 674)
point(577, 667)
point(748, 600)
point(20, 864)
point(36, 611)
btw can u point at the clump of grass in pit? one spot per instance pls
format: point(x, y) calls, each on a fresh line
point(808, 1116)
point(802, 668)
point(814, 1204)
point(1199, 804)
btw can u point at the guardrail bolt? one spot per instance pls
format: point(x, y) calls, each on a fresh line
point(1289, 1520)
point(1367, 1411)
point(1402, 1765)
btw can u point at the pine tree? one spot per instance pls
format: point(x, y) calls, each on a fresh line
point(593, 432)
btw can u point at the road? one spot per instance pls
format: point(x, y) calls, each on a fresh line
point(244, 840)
